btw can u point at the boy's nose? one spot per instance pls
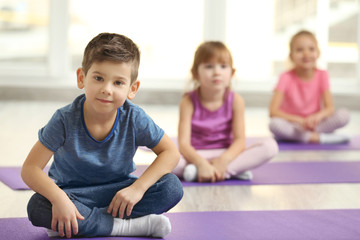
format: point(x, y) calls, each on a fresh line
point(106, 89)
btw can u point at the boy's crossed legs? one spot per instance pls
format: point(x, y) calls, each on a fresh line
point(92, 202)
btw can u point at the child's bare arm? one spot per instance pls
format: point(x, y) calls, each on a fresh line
point(206, 172)
point(64, 211)
point(328, 105)
point(328, 108)
point(238, 144)
point(166, 160)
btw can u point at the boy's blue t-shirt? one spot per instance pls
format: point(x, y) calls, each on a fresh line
point(81, 160)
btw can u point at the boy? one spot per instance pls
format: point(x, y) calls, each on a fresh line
point(90, 190)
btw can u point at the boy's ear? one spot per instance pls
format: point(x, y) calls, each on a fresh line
point(80, 78)
point(133, 89)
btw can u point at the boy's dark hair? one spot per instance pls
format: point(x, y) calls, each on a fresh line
point(112, 47)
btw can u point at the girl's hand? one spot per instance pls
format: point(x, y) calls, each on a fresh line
point(301, 121)
point(206, 173)
point(124, 200)
point(220, 167)
point(64, 217)
point(312, 121)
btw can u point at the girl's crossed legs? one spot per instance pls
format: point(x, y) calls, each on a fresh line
point(252, 157)
point(286, 130)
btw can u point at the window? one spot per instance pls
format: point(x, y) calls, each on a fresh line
point(259, 37)
point(167, 33)
point(24, 37)
point(45, 39)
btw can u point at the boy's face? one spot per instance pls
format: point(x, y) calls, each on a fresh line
point(107, 85)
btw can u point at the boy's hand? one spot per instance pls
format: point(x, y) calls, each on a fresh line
point(64, 217)
point(125, 199)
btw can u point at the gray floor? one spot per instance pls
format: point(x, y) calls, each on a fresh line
point(20, 121)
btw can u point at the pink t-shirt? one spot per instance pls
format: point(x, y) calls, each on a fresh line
point(302, 98)
point(211, 129)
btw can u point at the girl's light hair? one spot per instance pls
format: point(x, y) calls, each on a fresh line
point(302, 33)
point(206, 52)
point(289, 63)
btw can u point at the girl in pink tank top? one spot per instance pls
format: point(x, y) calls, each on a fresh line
point(211, 127)
point(302, 107)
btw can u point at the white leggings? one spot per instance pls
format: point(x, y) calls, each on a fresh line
point(286, 130)
point(252, 157)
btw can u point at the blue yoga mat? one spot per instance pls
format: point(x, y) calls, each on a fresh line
point(271, 173)
point(249, 225)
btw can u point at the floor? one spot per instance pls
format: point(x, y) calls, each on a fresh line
point(20, 121)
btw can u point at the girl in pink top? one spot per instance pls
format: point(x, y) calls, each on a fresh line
point(302, 107)
point(211, 132)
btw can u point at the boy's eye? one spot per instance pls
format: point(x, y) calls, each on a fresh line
point(118, 83)
point(98, 78)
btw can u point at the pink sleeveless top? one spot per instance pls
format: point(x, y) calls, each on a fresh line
point(211, 129)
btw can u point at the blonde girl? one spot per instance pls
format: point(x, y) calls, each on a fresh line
point(211, 131)
point(302, 107)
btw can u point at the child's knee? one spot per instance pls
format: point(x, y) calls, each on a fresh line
point(343, 116)
point(275, 124)
point(179, 169)
point(39, 211)
point(271, 147)
point(173, 187)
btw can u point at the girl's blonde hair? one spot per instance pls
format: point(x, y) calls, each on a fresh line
point(288, 63)
point(209, 51)
point(302, 33)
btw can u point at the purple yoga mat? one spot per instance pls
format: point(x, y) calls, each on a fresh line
point(271, 173)
point(249, 225)
point(11, 176)
point(353, 144)
point(297, 173)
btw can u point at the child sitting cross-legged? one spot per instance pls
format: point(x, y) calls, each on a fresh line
point(90, 190)
point(211, 131)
